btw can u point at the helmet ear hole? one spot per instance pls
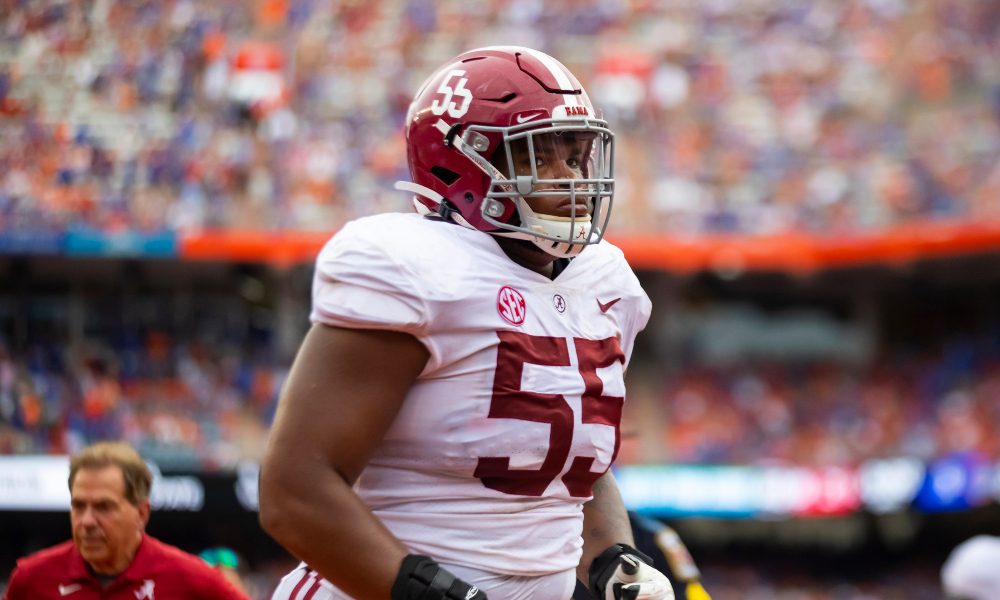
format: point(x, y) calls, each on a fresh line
point(446, 176)
point(505, 98)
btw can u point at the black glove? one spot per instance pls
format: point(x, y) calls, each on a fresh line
point(421, 578)
point(623, 573)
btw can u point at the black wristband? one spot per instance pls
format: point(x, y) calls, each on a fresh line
point(421, 578)
point(605, 564)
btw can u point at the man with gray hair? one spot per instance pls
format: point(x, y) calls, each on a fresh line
point(111, 557)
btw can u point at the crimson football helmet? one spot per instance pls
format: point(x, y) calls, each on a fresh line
point(478, 131)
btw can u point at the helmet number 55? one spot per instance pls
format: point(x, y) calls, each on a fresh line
point(447, 102)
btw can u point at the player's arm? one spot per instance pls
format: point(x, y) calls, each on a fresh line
point(605, 522)
point(612, 567)
point(343, 392)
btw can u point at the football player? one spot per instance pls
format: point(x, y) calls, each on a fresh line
point(447, 428)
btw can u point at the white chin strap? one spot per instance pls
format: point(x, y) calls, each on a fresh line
point(559, 249)
point(564, 237)
point(562, 228)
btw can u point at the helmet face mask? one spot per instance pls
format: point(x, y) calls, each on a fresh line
point(505, 140)
point(550, 167)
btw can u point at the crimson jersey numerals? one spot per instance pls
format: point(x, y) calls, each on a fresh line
point(511, 402)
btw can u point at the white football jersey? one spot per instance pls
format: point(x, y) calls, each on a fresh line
point(516, 414)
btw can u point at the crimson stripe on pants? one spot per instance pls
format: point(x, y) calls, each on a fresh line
point(312, 591)
point(306, 576)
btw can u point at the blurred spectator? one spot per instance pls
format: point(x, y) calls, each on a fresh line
point(227, 562)
point(971, 573)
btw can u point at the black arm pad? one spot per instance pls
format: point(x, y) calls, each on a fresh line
point(606, 562)
point(421, 578)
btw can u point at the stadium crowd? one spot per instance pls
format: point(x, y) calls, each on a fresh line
point(754, 117)
point(195, 404)
point(185, 406)
point(923, 406)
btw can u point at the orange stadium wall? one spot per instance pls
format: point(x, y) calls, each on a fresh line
point(791, 252)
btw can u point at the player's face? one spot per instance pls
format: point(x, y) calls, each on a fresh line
point(107, 528)
point(564, 155)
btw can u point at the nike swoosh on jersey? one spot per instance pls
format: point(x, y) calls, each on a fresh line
point(605, 306)
point(66, 590)
point(526, 118)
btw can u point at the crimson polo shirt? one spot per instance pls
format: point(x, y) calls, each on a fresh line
point(158, 572)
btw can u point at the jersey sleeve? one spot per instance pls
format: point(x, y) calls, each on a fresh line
point(619, 280)
point(634, 298)
point(636, 319)
point(358, 284)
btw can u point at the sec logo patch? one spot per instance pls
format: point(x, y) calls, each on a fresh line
point(510, 305)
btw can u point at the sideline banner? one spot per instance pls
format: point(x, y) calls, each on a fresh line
point(95, 242)
point(953, 483)
point(40, 483)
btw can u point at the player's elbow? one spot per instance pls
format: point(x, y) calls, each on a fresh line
point(277, 510)
point(269, 517)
